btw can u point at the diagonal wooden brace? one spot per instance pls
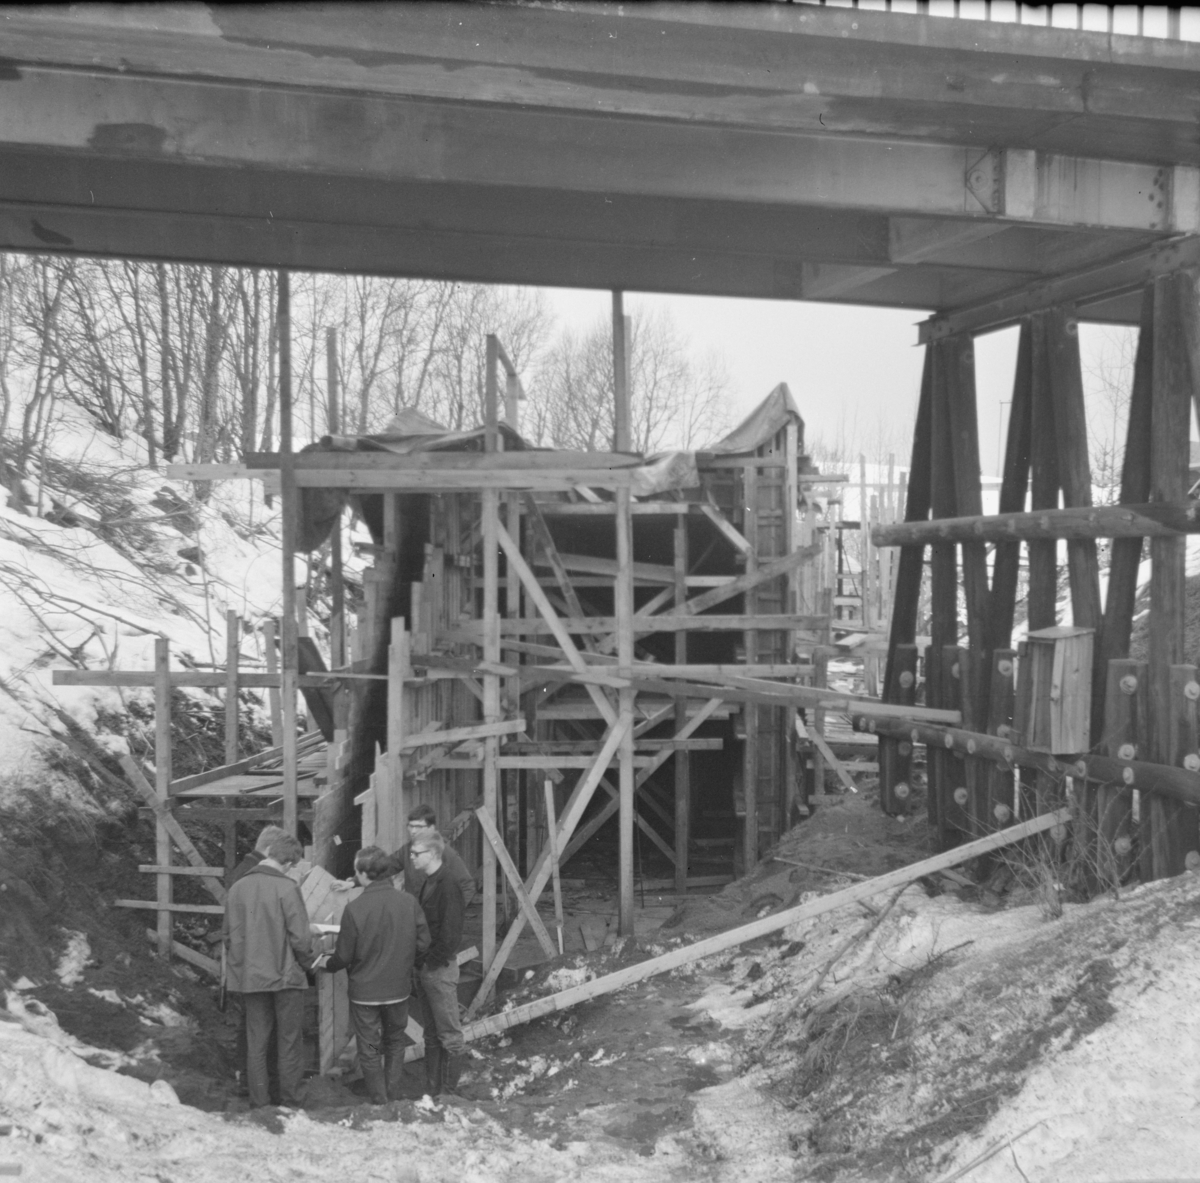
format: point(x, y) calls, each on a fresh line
point(578, 802)
point(534, 590)
point(528, 910)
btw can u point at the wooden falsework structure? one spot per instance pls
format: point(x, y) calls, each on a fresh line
point(1046, 507)
point(519, 626)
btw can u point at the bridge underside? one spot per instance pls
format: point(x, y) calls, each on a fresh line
point(770, 151)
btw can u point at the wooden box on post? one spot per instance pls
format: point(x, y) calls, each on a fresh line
point(1060, 689)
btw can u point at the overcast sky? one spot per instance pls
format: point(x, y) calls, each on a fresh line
point(854, 372)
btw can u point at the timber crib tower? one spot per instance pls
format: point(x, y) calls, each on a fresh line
point(1132, 759)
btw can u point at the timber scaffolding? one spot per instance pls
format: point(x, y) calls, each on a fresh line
point(1130, 756)
point(538, 629)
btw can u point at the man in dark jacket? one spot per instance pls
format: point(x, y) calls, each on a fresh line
point(382, 934)
point(266, 836)
point(437, 976)
point(270, 948)
point(421, 823)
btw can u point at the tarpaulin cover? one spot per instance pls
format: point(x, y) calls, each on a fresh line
point(774, 413)
point(410, 431)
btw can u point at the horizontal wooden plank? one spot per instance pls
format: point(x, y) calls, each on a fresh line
point(571, 509)
point(561, 480)
point(195, 679)
point(444, 461)
point(209, 872)
point(1163, 519)
point(152, 906)
point(665, 623)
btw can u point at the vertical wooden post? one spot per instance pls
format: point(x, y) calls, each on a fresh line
point(289, 509)
point(1126, 559)
point(968, 500)
point(895, 755)
point(490, 511)
point(1075, 478)
point(1014, 486)
point(944, 593)
point(683, 771)
point(750, 710)
point(390, 812)
point(1043, 554)
point(337, 613)
point(789, 813)
point(864, 547)
point(1169, 433)
point(162, 787)
point(906, 595)
point(1179, 833)
point(555, 869)
point(273, 696)
point(623, 613)
point(233, 630)
point(1000, 719)
point(1107, 822)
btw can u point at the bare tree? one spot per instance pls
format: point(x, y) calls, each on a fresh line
point(675, 400)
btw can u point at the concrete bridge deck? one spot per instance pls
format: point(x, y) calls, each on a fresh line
point(785, 151)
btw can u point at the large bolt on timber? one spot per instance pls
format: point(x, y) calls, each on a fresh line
point(1126, 751)
point(1127, 775)
point(901, 790)
point(1128, 684)
point(907, 679)
point(1122, 846)
point(1191, 762)
point(960, 796)
point(1191, 860)
point(1005, 666)
point(1192, 691)
point(1002, 813)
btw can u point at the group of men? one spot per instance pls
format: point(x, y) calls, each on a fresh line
point(404, 930)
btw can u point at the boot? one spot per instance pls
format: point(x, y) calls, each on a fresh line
point(434, 1057)
point(373, 1079)
point(452, 1072)
point(394, 1076)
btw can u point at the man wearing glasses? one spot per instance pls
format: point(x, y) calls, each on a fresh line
point(437, 971)
point(421, 823)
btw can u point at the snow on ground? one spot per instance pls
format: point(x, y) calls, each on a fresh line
point(70, 597)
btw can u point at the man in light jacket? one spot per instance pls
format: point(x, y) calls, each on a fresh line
point(383, 932)
point(270, 948)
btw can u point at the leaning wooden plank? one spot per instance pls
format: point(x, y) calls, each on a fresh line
point(819, 741)
point(745, 582)
point(169, 823)
point(185, 953)
point(514, 880)
point(578, 802)
point(723, 524)
point(452, 735)
point(494, 1024)
point(782, 693)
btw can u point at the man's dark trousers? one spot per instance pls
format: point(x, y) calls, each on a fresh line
point(379, 1033)
point(281, 1011)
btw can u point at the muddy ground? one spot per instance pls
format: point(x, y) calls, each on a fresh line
point(877, 1042)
